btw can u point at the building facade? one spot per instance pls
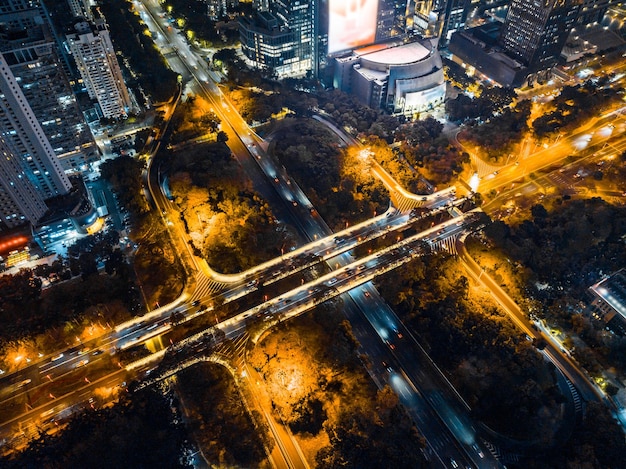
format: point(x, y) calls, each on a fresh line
point(30, 171)
point(32, 55)
point(281, 40)
point(609, 301)
point(95, 58)
point(592, 12)
point(524, 47)
point(398, 78)
point(440, 18)
point(536, 30)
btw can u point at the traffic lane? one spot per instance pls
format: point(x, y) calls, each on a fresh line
point(392, 332)
point(444, 401)
point(385, 368)
point(49, 410)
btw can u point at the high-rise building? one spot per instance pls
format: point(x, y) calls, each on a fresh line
point(392, 16)
point(33, 56)
point(30, 171)
point(282, 39)
point(522, 47)
point(535, 30)
point(592, 11)
point(440, 18)
point(81, 8)
point(95, 58)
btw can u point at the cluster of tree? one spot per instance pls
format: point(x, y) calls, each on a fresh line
point(500, 132)
point(382, 436)
point(139, 431)
point(597, 443)
point(257, 95)
point(124, 173)
point(86, 253)
point(317, 385)
point(255, 105)
point(565, 251)
point(573, 106)
point(455, 73)
point(499, 373)
point(191, 120)
point(228, 222)
point(225, 432)
point(191, 17)
point(160, 272)
point(147, 64)
point(423, 146)
point(157, 265)
point(568, 248)
point(483, 106)
point(237, 72)
point(346, 110)
point(330, 177)
point(26, 311)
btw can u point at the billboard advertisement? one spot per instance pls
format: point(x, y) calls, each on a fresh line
point(351, 23)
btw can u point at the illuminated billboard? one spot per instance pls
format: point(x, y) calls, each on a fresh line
point(351, 23)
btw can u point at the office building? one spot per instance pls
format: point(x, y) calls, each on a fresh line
point(536, 30)
point(524, 47)
point(282, 39)
point(30, 172)
point(81, 8)
point(592, 12)
point(392, 19)
point(33, 56)
point(440, 18)
point(95, 58)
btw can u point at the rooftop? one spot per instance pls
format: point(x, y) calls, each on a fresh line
point(395, 55)
point(613, 291)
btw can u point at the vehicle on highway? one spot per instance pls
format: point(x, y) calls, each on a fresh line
point(478, 450)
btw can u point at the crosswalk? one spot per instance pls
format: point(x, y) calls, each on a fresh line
point(578, 405)
point(447, 245)
point(405, 204)
point(481, 167)
point(206, 286)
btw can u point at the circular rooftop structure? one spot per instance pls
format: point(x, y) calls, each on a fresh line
point(399, 55)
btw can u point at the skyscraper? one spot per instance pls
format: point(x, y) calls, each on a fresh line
point(42, 131)
point(30, 172)
point(95, 58)
point(440, 18)
point(282, 39)
point(80, 8)
point(593, 11)
point(535, 30)
point(33, 56)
